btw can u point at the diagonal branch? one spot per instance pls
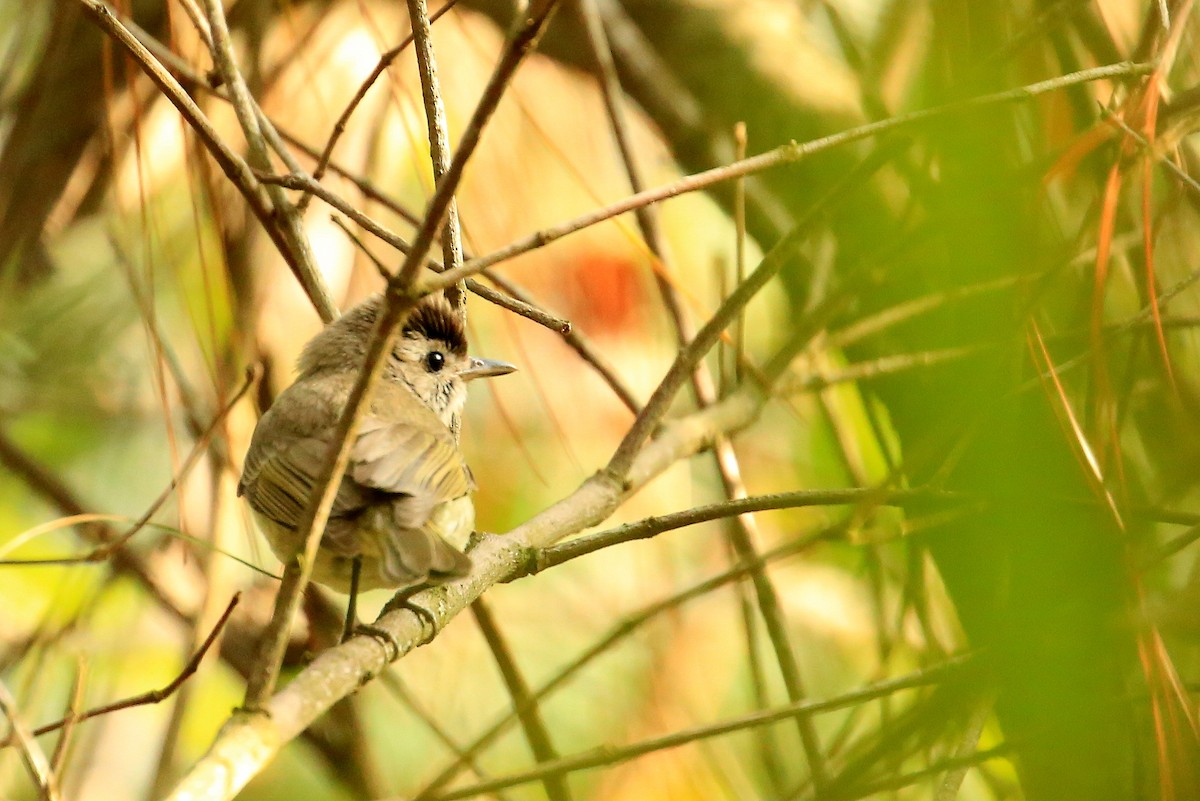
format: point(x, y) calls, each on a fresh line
point(787, 154)
point(233, 165)
point(248, 741)
point(605, 756)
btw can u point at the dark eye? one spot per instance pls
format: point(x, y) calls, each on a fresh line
point(435, 361)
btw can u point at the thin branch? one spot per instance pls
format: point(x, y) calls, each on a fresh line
point(876, 368)
point(396, 686)
point(788, 154)
point(234, 167)
point(623, 629)
point(514, 305)
point(151, 696)
point(874, 789)
point(31, 753)
point(59, 758)
point(439, 136)
point(339, 127)
point(576, 340)
point(286, 215)
point(653, 526)
point(536, 17)
point(399, 299)
point(524, 704)
point(607, 756)
point(951, 783)
point(305, 182)
point(520, 308)
point(739, 255)
point(691, 354)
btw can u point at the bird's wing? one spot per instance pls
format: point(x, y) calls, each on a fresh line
point(283, 480)
point(417, 461)
point(411, 457)
point(403, 468)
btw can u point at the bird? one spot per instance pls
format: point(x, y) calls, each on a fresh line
point(403, 511)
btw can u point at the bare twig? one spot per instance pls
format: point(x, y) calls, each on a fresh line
point(151, 696)
point(787, 154)
point(653, 526)
point(610, 756)
point(524, 703)
point(393, 684)
point(874, 789)
point(625, 628)
point(691, 354)
point(514, 305)
point(575, 339)
point(234, 167)
point(952, 781)
point(439, 137)
point(244, 106)
point(739, 255)
point(59, 758)
point(31, 753)
point(339, 127)
point(307, 183)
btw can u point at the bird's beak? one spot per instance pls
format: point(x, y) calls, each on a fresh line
point(486, 368)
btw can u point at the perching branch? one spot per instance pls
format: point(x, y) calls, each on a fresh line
point(249, 740)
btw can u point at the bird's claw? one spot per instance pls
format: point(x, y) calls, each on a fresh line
point(385, 638)
point(402, 601)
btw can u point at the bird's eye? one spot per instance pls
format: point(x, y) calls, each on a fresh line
point(435, 361)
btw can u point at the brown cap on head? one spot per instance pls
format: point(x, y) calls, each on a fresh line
point(434, 319)
point(343, 343)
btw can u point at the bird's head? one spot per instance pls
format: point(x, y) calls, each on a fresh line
point(430, 355)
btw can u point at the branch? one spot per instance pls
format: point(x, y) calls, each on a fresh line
point(787, 154)
point(653, 526)
point(524, 703)
point(234, 167)
point(439, 136)
point(339, 127)
point(248, 740)
point(245, 108)
point(622, 629)
point(605, 756)
point(31, 753)
point(149, 697)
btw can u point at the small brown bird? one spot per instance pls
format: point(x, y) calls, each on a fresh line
point(403, 511)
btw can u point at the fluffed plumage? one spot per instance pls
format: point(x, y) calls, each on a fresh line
point(404, 503)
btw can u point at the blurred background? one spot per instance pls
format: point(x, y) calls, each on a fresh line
point(993, 309)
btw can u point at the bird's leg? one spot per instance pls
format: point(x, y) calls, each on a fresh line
point(352, 609)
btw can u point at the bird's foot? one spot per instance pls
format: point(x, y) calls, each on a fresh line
point(402, 600)
point(383, 637)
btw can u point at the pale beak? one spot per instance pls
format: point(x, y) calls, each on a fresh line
point(486, 368)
